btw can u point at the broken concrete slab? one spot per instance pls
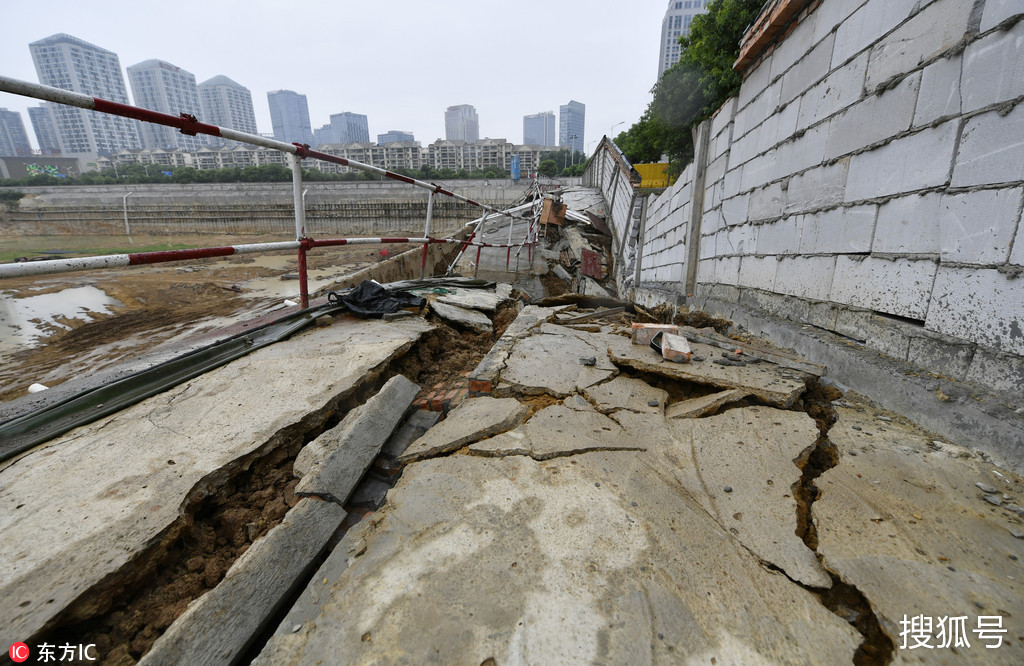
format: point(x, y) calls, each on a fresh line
point(472, 420)
point(900, 518)
point(561, 273)
point(591, 287)
point(473, 299)
point(117, 497)
point(557, 431)
point(217, 627)
point(462, 317)
point(550, 364)
point(484, 378)
point(594, 558)
point(741, 467)
point(418, 423)
point(704, 405)
point(353, 444)
point(769, 383)
point(627, 393)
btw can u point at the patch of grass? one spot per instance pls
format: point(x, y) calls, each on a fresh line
point(9, 255)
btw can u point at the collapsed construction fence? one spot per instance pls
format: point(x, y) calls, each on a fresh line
point(188, 124)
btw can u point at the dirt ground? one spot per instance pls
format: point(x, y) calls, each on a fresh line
point(156, 304)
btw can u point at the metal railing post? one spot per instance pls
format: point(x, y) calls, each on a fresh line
point(300, 226)
point(127, 230)
point(426, 234)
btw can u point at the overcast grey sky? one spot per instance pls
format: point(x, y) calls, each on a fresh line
point(400, 62)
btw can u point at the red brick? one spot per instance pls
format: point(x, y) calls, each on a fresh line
point(480, 386)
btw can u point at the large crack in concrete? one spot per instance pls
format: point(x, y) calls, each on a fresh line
point(224, 513)
point(843, 599)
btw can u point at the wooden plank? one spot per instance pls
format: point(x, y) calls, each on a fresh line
point(361, 442)
point(219, 627)
point(591, 315)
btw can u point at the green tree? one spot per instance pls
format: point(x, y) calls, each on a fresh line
point(694, 88)
point(547, 168)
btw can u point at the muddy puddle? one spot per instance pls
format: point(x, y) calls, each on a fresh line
point(25, 322)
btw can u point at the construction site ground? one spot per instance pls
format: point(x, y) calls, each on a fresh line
point(536, 489)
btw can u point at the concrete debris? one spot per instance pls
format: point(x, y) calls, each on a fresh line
point(986, 488)
point(674, 348)
point(462, 317)
point(548, 364)
point(769, 383)
point(484, 378)
point(472, 299)
point(644, 333)
point(353, 444)
point(627, 393)
point(419, 422)
point(591, 287)
point(558, 431)
point(474, 419)
point(704, 405)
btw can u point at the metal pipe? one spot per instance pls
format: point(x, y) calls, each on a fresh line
point(426, 233)
point(299, 203)
point(187, 124)
point(127, 231)
point(303, 278)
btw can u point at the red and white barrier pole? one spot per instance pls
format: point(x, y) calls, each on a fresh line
point(426, 233)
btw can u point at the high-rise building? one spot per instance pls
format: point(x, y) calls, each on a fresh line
point(395, 136)
point(676, 23)
point(67, 62)
point(571, 122)
point(13, 138)
point(45, 128)
point(350, 127)
point(539, 129)
point(226, 103)
point(461, 124)
point(289, 114)
point(161, 86)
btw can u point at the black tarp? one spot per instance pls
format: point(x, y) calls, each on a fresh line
point(370, 299)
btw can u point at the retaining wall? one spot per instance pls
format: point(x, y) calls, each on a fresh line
point(867, 180)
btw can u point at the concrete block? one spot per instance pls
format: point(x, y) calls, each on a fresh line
point(758, 172)
point(754, 83)
point(997, 11)
point(900, 287)
point(711, 221)
point(759, 110)
point(998, 372)
point(734, 209)
point(873, 119)
point(758, 272)
point(734, 182)
point(675, 348)
point(944, 357)
point(898, 167)
point(838, 90)
point(908, 225)
point(779, 238)
point(744, 148)
point(990, 149)
point(707, 246)
point(778, 127)
point(716, 169)
point(992, 69)
point(809, 70)
point(930, 32)
point(838, 231)
point(643, 333)
point(884, 335)
point(801, 153)
point(724, 116)
point(766, 202)
point(817, 188)
point(829, 15)
point(738, 240)
point(939, 96)
point(706, 270)
point(977, 227)
point(794, 47)
point(867, 25)
point(982, 306)
point(727, 270)
point(805, 277)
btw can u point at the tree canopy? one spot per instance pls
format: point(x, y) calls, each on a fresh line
point(694, 88)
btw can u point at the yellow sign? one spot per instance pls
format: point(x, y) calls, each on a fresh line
point(653, 175)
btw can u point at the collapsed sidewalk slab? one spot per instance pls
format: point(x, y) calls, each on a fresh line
point(552, 364)
point(124, 478)
point(769, 383)
point(589, 558)
point(472, 420)
point(910, 522)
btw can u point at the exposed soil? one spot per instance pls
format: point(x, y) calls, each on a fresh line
point(158, 302)
point(443, 356)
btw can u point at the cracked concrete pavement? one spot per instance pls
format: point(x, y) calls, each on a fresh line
point(124, 479)
point(598, 529)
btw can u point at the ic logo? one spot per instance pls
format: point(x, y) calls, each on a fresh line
point(18, 652)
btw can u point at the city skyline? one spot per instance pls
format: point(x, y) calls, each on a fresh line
point(386, 88)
